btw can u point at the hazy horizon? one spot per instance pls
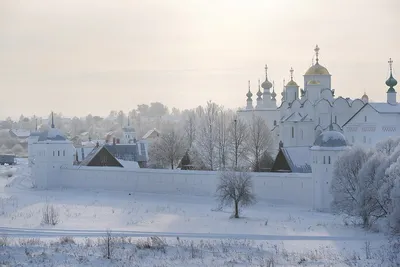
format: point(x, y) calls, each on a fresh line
point(81, 57)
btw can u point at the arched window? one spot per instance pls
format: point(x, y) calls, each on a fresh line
point(292, 132)
point(54, 153)
point(365, 118)
point(64, 153)
point(58, 152)
point(329, 159)
point(324, 160)
point(301, 134)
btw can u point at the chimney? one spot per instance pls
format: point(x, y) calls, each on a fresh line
point(114, 141)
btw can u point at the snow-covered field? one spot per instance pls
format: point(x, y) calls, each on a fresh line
point(190, 231)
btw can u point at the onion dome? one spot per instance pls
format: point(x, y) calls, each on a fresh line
point(365, 98)
point(259, 94)
point(273, 94)
point(249, 94)
point(391, 82)
point(266, 84)
point(291, 82)
point(317, 69)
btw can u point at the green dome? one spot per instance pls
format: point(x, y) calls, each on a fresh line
point(391, 82)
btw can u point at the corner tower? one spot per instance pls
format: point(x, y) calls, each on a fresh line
point(325, 151)
point(52, 151)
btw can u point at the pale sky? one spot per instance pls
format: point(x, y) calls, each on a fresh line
point(92, 56)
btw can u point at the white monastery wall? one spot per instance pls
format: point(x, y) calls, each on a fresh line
point(292, 188)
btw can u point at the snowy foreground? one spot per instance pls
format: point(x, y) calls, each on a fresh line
point(164, 230)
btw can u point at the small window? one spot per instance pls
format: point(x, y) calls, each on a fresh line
point(329, 159)
point(58, 152)
point(292, 132)
point(64, 153)
point(54, 153)
point(274, 122)
point(324, 160)
point(301, 134)
point(365, 118)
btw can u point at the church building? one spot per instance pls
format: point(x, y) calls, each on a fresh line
point(304, 113)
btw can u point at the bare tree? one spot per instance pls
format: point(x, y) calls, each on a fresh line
point(190, 128)
point(169, 148)
point(222, 139)
point(107, 243)
point(206, 141)
point(260, 140)
point(238, 135)
point(235, 188)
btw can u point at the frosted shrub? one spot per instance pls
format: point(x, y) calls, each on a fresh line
point(64, 240)
point(345, 186)
point(153, 242)
point(50, 215)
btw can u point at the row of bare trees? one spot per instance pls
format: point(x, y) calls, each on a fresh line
point(214, 139)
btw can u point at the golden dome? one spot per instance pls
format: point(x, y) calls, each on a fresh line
point(317, 69)
point(292, 83)
point(313, 82)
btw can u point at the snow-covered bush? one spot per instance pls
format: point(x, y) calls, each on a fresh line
point(365, 184)
point(369, 204)
point(394, 218)
point(345, 181)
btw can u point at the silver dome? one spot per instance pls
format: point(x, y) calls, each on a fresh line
point(331, 139)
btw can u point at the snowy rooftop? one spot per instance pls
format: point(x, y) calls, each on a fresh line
point(385, 107)
point(331, 139)
point(52, 135)
point(21, 133)
point(298, 158)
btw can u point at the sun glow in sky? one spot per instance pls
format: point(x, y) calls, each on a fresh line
point(93, 56)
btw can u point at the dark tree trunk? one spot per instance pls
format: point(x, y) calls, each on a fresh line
point(236, 209)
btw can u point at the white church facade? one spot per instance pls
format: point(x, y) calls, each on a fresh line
point(304, 113)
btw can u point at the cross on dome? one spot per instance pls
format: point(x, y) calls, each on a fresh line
point(316, 53)
point(390, 64)
point(291, 74)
